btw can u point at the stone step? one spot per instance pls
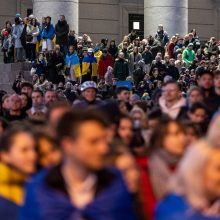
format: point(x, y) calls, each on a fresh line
point(9, 71)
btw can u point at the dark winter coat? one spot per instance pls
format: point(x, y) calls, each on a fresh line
point(121, 71)
point(61, 31)
point(54, 74)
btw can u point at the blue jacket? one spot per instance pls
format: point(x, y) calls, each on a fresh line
point(48, 34)
point(175, 207)
point(47, 199)
point(8, 209)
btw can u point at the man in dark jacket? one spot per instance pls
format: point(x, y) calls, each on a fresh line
point(79, 188)
point(121, 68)
point(62, 31)
point(172, 70)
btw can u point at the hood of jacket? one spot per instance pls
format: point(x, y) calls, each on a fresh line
point(174, 110)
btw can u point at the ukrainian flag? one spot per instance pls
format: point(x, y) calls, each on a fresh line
point(74, 60)
point(87, 60)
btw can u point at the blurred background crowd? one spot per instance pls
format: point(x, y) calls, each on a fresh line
point(107, 131)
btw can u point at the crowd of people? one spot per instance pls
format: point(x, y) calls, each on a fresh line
point(106, 131)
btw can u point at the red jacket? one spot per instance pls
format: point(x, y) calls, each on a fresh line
point(147, 195)
point(104, 62)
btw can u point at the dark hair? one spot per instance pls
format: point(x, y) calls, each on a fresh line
point(69, 124)
point(206, 72)
point(121, 88)
point(161, 131)
point(172, 81)
point(17, 21)
point(56, 105)
point(8, 22)
point(155, 113)
point(38, 91)
point(198, 105)
point(4, 123)
point(9, 134)
point(195, 127)
point(216, 73)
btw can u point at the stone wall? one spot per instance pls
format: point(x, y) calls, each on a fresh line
point(203, 16)
point(8, 74)
point(9, 8)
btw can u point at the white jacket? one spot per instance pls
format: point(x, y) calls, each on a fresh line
point(174, 110)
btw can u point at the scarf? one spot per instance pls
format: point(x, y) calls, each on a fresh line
point(12, 184)
point(161, 167)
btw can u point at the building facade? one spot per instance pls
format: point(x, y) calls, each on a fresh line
point(113, 19)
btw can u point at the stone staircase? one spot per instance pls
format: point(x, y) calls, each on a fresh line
point(8, 74)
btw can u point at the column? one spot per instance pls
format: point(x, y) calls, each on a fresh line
point(173, 14)
point(55, 8)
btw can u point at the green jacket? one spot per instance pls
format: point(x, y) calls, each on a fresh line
point(188, 56)
point(121, 71)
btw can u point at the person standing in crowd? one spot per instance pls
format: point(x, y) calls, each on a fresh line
point(80, 135)
point(47, 35)
point(172, 70)
point(31, 39)
point(55, 66)
point(89, 67)
point(148, 58)
point(121, 70)
point(50, 97)
point(164, 155)
point(40, 64)
point(17, 164)
point(123, 94)
point(113, 50)
point(17, 31)
point(15, 109)
point(213, 47)
point(73, 70)
point(189, 55)
point(62, 31)
point(162, 36)
point(38, 109)
point(171, 100)
point(134, 58)
point(194, 198)
point(171, 46)
point(105, 61)
point(213, 100)
point(88, 95)
point(72, 40)
point(7, 47)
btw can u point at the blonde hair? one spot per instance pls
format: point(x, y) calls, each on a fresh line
point(188, 180)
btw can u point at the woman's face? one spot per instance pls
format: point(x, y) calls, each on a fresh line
point(6, 103)
point(125, 130)
point(8, 25)
point(24, 100)
point(22, 153)
point(174, 141)
point(33, 21)
point(48, 156)
point(191, 136)
point(123, 107)
point(212, 175)
point(155, 73)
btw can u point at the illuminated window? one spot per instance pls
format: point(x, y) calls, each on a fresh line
point(136, 25)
